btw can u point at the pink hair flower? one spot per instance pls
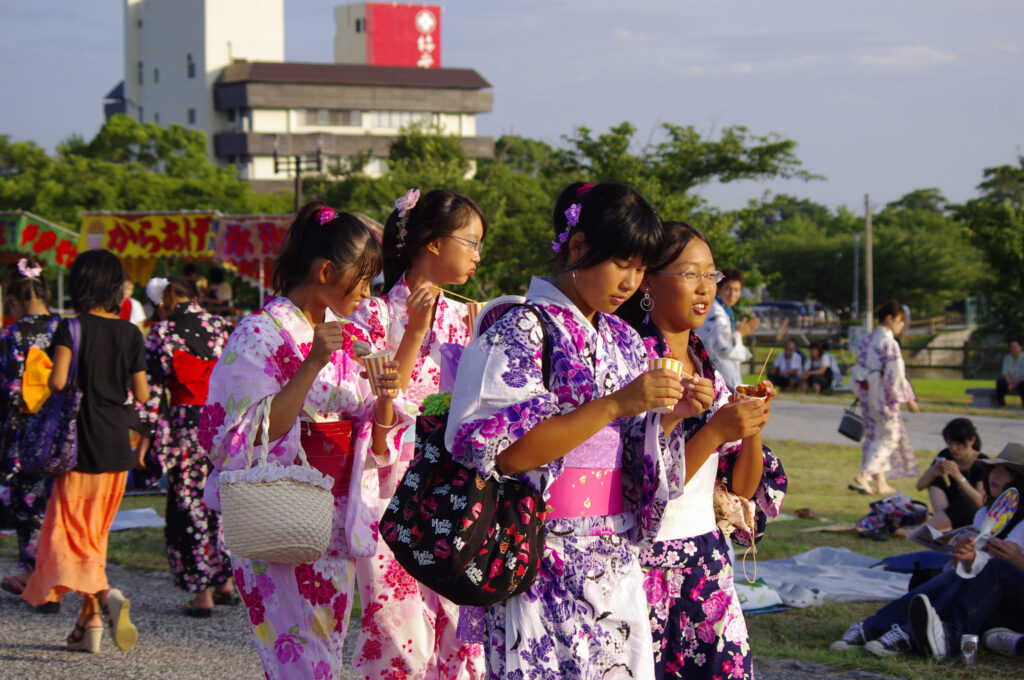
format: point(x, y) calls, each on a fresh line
point(26, 269)
point(404, 205)
point(326, 214)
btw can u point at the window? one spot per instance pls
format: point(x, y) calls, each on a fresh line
point(140, 23)
point(156, 117)
point(399, 119)
point(360, 23)
point(191, 116)
point(342, 117)
point(141, 115)
point(232, 114)
point(191, 66)
point(140, 73)
point(156, 75)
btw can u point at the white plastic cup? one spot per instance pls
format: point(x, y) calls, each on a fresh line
point(674, 365)
point(376, 365)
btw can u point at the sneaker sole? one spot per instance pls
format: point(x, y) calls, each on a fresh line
point(919, 629)
point(123, 631)
point(843, 646)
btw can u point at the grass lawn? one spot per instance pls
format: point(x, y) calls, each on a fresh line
point(818, 475)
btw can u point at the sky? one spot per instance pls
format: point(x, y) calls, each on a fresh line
point(882, 96)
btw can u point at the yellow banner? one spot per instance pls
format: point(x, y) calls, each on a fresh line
point(152, 235)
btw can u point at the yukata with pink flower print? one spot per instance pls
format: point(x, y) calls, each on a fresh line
point(298, 613)
point(585, 617)
point(406, 627)
point(696, 618)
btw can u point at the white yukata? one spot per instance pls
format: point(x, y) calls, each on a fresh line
point(406, 627)
point(585, 617)
point(881, 384)
point(298, 613)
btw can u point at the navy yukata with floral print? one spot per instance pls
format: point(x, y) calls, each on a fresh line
point(195, 549)
point(28, 494)
point(696, 619)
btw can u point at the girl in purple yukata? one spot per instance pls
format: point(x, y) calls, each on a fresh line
point(696, 618)
point(295, 353)
point(587, 441)
point(880, 382)
point(429, 242)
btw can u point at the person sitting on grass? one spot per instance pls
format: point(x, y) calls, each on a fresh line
point(1011, 377)
point(946, 597)
point(785, 370)
point(954, 479)
point(819, 370)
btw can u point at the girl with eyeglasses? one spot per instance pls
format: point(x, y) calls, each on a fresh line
point(696, 619)
point(429, 242)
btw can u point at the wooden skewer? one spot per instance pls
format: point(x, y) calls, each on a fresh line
point(448, 292)
point(763, 366)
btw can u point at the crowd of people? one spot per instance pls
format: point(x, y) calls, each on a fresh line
point(636, 579)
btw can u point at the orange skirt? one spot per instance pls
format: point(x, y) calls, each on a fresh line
point(73, 539)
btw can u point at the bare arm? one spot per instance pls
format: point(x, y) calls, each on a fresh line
point(58, 379)
point(140, 387)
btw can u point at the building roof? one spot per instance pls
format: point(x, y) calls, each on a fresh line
point(241, 71)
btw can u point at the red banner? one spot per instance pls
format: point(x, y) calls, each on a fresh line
point(403, 35)
point(246, 242)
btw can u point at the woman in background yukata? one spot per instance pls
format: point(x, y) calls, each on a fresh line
point(880, 382)
point(585, 441)
point(429, 242)
point(295, 352)
point(696, 617)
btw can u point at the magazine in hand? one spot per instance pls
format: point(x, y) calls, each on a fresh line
point(933, 539)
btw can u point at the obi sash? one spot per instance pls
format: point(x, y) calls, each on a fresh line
point(328, 448)
point(591, 481)
point(191, 380)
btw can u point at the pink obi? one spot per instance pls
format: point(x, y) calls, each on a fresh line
point(591, 481)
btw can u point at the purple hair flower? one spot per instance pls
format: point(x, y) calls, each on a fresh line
point(325, 214)
point(572, 218)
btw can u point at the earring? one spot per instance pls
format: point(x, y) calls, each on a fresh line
point(575, 275)
point(647, 302)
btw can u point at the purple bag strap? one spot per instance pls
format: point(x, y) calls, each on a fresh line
point(75, 328)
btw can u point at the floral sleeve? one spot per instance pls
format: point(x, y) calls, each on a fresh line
point(500, 395)
point(897, 387)
point(369, 323)
point(158, 368)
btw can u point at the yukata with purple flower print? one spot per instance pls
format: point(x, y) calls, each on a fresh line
point(880, 382)
point(585, 616)
point(298, 613)
point(406, 627)
point(195, 550)
point(696, 618)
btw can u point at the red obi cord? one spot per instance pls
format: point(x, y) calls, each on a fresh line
point(328, 447)
point(586, 492)
point(191, 380)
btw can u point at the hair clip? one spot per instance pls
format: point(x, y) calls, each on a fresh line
point(26, 269)
point(325, 214)
point(572, 218)
point(404, 205)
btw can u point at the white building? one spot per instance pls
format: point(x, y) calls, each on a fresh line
point(218, 66)
point(175, 50)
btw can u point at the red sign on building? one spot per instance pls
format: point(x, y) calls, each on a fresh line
point(403, 35)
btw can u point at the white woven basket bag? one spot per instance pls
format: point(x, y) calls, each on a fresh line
point(272, 512)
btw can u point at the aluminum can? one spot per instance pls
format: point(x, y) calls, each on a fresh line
point(969, 649)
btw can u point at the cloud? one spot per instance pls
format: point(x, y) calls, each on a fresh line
point(908, 58)
point(627, 35)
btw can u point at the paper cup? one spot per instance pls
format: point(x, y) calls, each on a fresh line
point(474, 311)
point(749, 393)
point(674, 365)
point(376, 365)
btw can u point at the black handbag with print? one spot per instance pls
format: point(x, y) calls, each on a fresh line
point(473, 540)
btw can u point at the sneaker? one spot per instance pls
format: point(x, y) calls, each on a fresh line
point(926, 628)
point(853, 638)
point(896, 641)
point(1002, 640)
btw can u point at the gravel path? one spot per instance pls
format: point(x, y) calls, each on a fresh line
point(175, 647)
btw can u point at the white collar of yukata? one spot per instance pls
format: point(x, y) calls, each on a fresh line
point(543, 290)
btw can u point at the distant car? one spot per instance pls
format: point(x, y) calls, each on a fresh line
point(799, 314)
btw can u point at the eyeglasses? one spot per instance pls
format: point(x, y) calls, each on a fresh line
point(475, 245)
point(693, 277)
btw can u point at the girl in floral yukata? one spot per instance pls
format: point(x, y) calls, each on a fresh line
point(26, 297)
point(295, 352)
point(696, 619)
point(180, 354)
point(429, 242)
point(880, 382)
point(585, 440)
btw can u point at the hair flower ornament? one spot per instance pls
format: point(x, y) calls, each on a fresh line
point(25, 268)
point(404, 205)
point(572, 218)
point(325, 214)
point(155, 289)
